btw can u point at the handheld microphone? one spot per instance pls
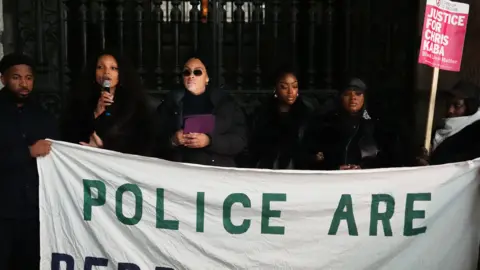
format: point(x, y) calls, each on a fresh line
point(106, 87)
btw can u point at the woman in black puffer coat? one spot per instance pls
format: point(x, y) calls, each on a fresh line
point(344, 139)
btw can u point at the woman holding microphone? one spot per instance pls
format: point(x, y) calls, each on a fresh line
point(108, 108)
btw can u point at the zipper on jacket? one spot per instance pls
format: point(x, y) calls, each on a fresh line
point(349, 142)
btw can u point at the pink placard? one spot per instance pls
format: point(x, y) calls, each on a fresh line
point(443, 35)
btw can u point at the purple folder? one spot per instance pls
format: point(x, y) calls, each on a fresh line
point(200, 123)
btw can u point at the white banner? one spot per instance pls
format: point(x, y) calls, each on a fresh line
point(105, 210)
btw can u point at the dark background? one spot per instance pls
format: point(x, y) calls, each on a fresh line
point(326, 40)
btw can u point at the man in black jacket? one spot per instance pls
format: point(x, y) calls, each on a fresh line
point(458, 139)
point(25, 126)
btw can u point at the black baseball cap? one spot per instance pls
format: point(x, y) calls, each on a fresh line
point(355, 84)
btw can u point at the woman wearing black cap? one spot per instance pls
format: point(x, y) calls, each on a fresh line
point(200, 124)
point(458, 138)
point(344, 139)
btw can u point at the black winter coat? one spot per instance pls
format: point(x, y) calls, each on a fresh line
point(344, 140)
point(128, 130)
point(21, 127)
point(228, 139)
point(462, 146)
point(276, 137)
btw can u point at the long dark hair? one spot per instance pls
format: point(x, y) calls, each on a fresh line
point(130, 101)
point(129, 95)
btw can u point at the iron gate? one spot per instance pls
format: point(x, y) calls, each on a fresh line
point(324, 39)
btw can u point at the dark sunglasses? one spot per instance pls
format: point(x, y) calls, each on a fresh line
point(196, 72)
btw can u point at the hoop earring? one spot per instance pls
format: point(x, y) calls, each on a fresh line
point(275, 93)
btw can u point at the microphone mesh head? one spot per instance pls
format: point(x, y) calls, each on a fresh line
point(106, 83)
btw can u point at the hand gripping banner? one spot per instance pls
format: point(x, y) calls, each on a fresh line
point(106, 210)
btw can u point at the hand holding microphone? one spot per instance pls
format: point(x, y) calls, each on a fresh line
point(105, 100)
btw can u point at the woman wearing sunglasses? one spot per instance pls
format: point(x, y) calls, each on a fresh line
point(199, 124)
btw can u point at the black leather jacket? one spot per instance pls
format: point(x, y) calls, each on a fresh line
point(343, 139)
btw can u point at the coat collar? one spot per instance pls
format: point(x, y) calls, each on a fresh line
point(7, 99)
point(215, 96)
point(298, 109)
